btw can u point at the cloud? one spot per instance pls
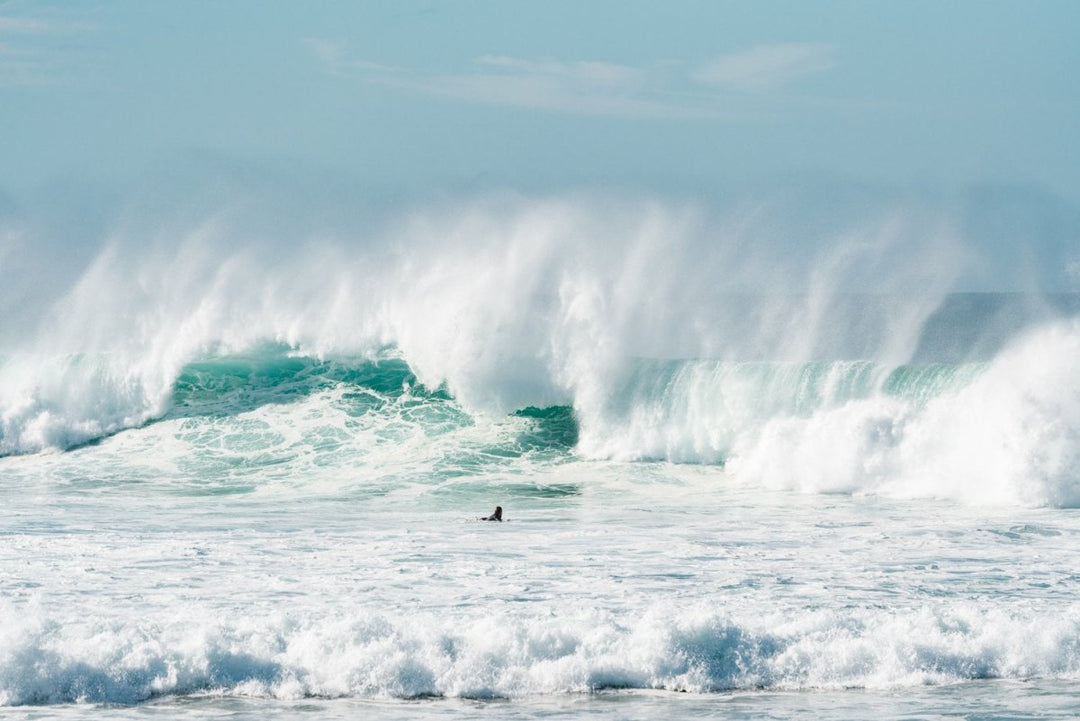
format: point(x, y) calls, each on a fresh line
point(582, 87)
point(594, 87)
point(28, 52)
point(10, 24)
point(39, 26)
point(333, 55)
point(766, 67)
point(597, 74)
point(588, 88)
point(330, 53)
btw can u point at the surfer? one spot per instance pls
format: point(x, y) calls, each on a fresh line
point(496, 516)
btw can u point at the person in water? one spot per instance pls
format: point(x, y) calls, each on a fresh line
point(496, 516)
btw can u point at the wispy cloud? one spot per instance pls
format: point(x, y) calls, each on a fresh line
point(588, 88)
point(606, 75)
point(10, 24)
point(27, 56)
point(334, 57)
point(22, 25)
point(766, 67)
point(330, 53)
point(591, 87)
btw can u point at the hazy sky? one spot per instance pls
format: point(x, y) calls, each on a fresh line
point(672, 96)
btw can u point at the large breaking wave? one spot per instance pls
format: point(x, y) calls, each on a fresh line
point(837, 361)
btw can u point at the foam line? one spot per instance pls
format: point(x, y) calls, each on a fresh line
point(357, 654)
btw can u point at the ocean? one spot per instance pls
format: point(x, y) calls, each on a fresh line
point(242, 476)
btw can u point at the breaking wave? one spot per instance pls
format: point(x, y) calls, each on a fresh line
point(363, 655)
point(624, 330)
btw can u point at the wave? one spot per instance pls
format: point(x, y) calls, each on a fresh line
point(696, 411)
point(656, 330)
point(1011, 435)
point(507, 302)
point(359, 654)
point(1005, 431)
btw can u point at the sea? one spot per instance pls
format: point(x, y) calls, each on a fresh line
point(743, 475)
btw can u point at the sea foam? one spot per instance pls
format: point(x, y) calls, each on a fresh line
point(358, 654)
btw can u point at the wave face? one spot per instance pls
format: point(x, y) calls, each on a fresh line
point(669, 333)
point(279, 414)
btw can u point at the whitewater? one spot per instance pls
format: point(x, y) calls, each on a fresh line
point(752, 464)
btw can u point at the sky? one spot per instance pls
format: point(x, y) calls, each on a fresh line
point(674, 97)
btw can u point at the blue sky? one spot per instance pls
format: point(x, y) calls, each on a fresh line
point(670, 96)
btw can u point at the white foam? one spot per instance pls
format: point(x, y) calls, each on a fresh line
point(357, 654)
point(1012, 436)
